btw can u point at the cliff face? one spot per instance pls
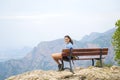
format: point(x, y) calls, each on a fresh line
point(90, 73)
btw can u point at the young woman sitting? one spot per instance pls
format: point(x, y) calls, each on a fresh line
point(58, 56)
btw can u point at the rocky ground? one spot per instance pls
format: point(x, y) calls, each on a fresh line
point(90, 73)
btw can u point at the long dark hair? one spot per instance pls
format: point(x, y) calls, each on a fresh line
point(71, 41)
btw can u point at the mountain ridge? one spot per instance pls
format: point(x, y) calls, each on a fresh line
point(6, 55)
point(37, 58)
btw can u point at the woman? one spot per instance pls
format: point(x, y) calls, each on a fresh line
point(58, 56)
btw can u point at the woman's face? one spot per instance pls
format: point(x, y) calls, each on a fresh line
point(67, 40)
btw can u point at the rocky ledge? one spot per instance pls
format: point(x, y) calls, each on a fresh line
point(90, 73)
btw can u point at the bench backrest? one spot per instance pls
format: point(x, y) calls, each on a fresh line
point(85, 52)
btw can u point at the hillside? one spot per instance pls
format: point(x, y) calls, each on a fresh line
point(90, 73)
point(40, 56)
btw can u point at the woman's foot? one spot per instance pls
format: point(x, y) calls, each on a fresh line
point(60, 67)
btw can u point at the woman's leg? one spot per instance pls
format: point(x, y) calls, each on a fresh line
point(57, 57)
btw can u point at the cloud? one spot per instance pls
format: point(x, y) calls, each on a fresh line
point(33, 17)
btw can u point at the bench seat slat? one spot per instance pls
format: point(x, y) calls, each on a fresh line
point(87, 58)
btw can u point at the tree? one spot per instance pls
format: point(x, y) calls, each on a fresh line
point(116, 42)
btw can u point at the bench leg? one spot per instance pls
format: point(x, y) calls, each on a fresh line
point(71, 70)
point(92, 62)
point(101, 63)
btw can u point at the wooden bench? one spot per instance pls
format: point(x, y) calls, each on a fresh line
point(84, 54)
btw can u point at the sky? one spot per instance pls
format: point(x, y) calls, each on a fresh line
point(29, 22)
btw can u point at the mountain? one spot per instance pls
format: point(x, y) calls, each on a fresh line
point(14, 53)
point(40, 56)
point(90, 73)
point(90, 37)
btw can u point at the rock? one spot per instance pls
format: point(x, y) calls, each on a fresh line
point(90, 73)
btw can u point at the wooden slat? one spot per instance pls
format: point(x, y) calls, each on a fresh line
point(82, 50)
point(88, 58)
point(85, 52)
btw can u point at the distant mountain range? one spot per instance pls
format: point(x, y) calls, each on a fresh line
point(92, 36)
point(14, 53)
point(40, 56)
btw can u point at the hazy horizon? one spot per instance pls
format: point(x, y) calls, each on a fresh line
point(28, 22)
